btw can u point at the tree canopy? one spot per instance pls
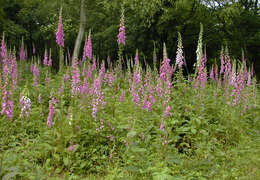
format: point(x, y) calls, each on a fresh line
point(235, 23)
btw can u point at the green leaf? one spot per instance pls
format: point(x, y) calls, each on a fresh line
point(193, 131)
point(56, 156)
point(83, 165)
point(58, 170)
point(66, 161)
point(162, 177)
point(10, 175)
point(131, 134)
point(48, 162)
point(133, 169)
point(136, 149)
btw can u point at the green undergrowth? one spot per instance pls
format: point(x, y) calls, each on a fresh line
point(205, 138)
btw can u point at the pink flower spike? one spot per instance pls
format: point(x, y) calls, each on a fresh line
point(121, 35)
point(3, 49)
point(122, 97)
point(52, 104)
point(136, 58)
point(212, 73)
point(167, 112)
point(179, 56)
point(72, 147)
point(45, 60)
point(60, 33)
point(50, 60)
point(162, 126)
point(89, 47)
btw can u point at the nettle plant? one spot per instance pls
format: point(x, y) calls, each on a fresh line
point(95, 113)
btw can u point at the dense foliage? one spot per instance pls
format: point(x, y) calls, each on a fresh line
point(148, 24)
point(93, 120)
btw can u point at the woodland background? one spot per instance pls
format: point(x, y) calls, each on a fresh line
point(235, 23)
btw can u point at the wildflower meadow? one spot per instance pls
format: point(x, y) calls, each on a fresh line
point(127, 118)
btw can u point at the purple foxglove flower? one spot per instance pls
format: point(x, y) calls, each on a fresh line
point(76, 83)
point(147, 80)
point(3, 54)
point(60, 33)
point(36, 73)
point(167, 112)
point(94, 111)
point(216, 72)
point(136, 99)
point(159, 89)
point(212, 74)
point(151, 98)
point(14, 73)
point(145, 103)
point(7, 103)
point(89, 47)
point(61, 89)
point(165, 69)
point(149, 106)
point(84, 71)
point(136, 58)
point(162, 126)
point(179, 56)
point(52, 104)
point(232, 78)
point(238, 86)
point(111, 78)
point(249, 79)
point(89, 72)
point(49, 120)
point(97, 96)
point(39, 98)
point(4, 102)
point(84, 50)
point(25, 104)
point(45, 60)
point(228, 67)
point(47, 81)
point(222, 59)
point(6, 71)
point(122, 97)
point(50, 60)
point(102, 71)
point(121, 35)
point(137, 77)
point(97, 84)
point(9, 113)
point(84, 88)
point(202, 73)
point(94, 65)
point(68, 55)
point(72, 147)
point(31, 67)
point(66, 76)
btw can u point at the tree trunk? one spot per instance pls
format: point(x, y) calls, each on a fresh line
point(81, 30)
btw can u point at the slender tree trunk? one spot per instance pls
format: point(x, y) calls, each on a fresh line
point(256, 7)
point(81, 30)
